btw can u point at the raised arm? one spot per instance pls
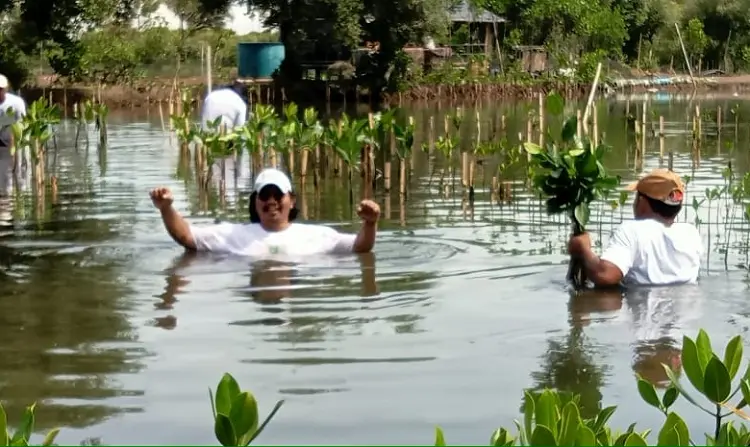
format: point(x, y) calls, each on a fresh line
point(176, 225)
point(369, 211)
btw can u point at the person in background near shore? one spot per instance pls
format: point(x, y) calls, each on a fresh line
point(651, 250)
point(271, 230)
point(229, 103)
point(8, 102)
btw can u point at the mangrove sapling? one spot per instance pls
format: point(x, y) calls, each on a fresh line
point(446, 145)
point(259, 128)
point(712, 377)
point(101, 111)
point(217, 143)
point(22, 436)
point(235, 412)
point(288, 134)
point(386, 119)
point(85, 114)
point(310, 137)
point(37, 130)
point(347, 137)
point(570, 175)
point(404, 135)
point(183, 124)
point(554, 418)
point(371, 145)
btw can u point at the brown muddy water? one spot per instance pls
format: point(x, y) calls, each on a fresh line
point(118, 335)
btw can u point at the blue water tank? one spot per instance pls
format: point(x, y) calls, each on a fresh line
point(259, 59)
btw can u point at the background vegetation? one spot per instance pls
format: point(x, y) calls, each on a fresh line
point(112, 41)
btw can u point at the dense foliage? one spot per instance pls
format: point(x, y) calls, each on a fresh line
point(115, 41)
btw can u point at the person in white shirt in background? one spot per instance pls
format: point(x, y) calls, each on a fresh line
point(229, 103)
point(8, 101)
point(653, 249)
point(272, 230)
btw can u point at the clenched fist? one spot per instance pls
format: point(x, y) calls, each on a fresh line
point(368, 211)
point(161, 198)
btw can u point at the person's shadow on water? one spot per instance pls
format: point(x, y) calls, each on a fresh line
point(270, 282)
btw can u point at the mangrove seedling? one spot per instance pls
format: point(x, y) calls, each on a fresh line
point(288, 136)
point(259, 134)
point(712, 377)
point(101, 111)
point(37, 130)
point(552, 417)
point(309, 138)
point(236, 413)
point(347, 137)
point(404, 134)
point(218, 145)
point(570, 175)
point(22, 436)
point(84, 115)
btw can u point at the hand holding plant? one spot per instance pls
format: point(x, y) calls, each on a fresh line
point(570, 174)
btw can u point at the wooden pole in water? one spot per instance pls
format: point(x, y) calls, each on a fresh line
point(643, 129)
point(541, 120)
point(661, 138)
point(718, 129)
point(595, 118)
point(684, 53)
point(579, 127)
point(387, 156)
point(209, 80)
point(699, 123)
point(590, 101)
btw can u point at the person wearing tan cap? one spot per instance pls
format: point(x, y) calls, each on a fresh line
point(652, 249)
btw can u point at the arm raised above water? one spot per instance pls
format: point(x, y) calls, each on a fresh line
point(178, 228)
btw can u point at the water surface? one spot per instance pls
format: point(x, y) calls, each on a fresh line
point(118, 334)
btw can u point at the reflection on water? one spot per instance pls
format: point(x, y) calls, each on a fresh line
point(111, 327)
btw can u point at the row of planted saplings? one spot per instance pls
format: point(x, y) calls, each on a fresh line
point(36, 130)
point(347, 141)
point(347, 144)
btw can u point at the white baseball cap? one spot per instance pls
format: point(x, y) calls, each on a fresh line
point(3, 81)
point(273, 177)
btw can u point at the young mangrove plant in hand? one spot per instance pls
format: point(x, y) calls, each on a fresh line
point(570, 175)
point(236, 413)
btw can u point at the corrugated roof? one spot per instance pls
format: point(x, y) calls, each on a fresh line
point(465, 13)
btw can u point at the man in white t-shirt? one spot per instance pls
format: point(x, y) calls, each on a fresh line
point(229, 103)
point(271, 230)
point(15, 104)
point(651, 250)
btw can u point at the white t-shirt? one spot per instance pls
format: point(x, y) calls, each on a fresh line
point(252, 240)
point(16, 102)
point(6, 120)
point(228, 105)
point(650, 253)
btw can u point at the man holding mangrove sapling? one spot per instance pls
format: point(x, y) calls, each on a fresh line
point(16, 104)
point(651, 250)
point(271, 229)
point(229, 103)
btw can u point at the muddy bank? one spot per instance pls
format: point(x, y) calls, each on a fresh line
point(163, 91)
point(142, 94)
